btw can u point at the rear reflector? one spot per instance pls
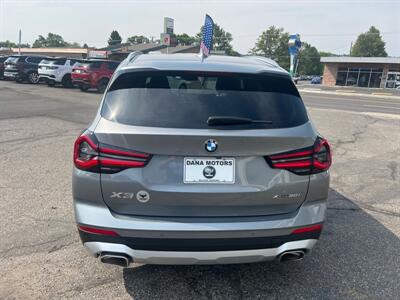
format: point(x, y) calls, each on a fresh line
point(97, 231)
point(308, 229)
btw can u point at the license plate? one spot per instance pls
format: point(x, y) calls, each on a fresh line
point(209, 170)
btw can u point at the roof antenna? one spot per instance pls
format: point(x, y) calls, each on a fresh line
point(207, 38)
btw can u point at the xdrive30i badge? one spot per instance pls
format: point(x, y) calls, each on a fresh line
point(211, 145)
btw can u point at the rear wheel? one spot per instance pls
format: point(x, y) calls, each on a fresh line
point(102, 85)
point(66, 81)
point(33, 77)
point(83, 87)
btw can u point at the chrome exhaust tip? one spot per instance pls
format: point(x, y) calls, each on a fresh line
point(118, 259)
point(291, 255)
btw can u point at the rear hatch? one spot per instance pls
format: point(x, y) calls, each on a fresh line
point(190, 166)
point(50, 66)
point(11, 64)
point(81, 70)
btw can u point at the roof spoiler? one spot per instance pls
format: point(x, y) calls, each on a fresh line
point(263, 59)
point(131, 57)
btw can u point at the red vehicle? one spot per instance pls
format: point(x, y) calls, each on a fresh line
point(93, 74)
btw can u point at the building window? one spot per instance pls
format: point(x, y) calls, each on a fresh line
point(362, 77)
point(352, 78)
point(341, 78)
point(393, 80)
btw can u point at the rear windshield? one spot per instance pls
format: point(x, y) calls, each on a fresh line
point(57, 61)
point(12, 60)
point(188, 99)
point(88, 64)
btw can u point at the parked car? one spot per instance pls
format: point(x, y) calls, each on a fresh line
point(93, 74)
point(227, 170)
point(57, 70)
point(316, 80)
point(23, 68)
point(303, 77)
point(2, 60)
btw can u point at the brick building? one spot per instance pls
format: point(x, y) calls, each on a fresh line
point(370, 72)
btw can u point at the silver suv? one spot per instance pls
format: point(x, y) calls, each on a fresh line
point(200, 161)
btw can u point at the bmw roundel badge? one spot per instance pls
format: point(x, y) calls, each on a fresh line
point(211, 145)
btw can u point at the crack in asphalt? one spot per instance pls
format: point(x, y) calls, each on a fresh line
point(393, 169)
point(19, 247)
point(356, 135)
point(35, 138)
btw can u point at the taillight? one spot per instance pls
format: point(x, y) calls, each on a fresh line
point(92, 156)
point(304, 161)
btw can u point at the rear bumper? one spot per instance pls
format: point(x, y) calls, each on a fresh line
point(199, 240)
point(47, 76)
point(12, 75)
point(79, 80)
point(50, 74)
point(199, 257)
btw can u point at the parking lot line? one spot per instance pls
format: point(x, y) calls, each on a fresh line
point(393, 107)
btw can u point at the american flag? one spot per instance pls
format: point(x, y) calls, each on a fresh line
point(206, 41)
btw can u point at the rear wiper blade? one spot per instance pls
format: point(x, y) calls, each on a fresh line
point(231, 120)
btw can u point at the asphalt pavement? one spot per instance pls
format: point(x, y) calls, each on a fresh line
point(41, 256)
point(348, 102)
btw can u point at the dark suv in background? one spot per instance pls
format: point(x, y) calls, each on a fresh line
point(93, 74)
point(23, 68)
point(2, 60)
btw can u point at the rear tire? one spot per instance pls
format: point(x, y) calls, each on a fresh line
point(102, 85)
point(66, 81)
point(83, 87)
point(33, 77)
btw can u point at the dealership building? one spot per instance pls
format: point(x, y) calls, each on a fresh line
point(370, 72)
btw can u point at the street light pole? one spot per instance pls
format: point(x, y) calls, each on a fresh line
point(19, 43)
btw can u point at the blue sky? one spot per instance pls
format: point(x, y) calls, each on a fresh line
point(328, 25)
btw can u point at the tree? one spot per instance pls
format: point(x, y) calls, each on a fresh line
point(40, 42)
point(185, 39)
point(138, 39)
point(309, 60)
point(51, 41)
point(273, 43)
point(221, 40)
point(8, 44)
point(85, 46)
point(369, 44)
point(73, 45)
point(114, 38)
point(324, 54)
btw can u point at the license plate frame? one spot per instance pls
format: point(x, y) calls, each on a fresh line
point(194, 170)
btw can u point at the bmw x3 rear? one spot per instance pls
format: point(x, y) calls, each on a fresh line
point(200, 161)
